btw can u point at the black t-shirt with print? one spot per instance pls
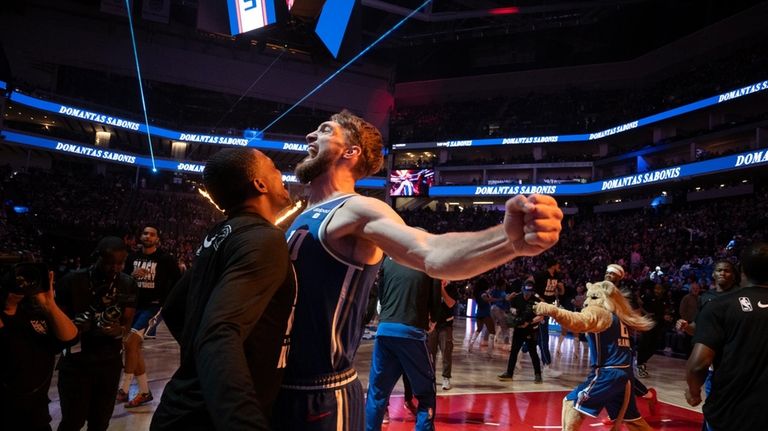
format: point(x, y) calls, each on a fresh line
point(735, 326)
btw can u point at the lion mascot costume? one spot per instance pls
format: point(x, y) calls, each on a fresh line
point(607, 319)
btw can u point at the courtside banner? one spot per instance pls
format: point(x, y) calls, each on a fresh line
point(135, 126)
point(745, 160)
point(125, 158)
point(710, 101)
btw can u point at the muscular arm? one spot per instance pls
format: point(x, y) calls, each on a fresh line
point(590, 319)
point(696, 372)
point(531, 225)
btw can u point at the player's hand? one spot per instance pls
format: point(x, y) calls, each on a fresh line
point(532, 223)
point(681, 324)
point(693, 399)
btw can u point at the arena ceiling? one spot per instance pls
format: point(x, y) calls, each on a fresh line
point(452, 38)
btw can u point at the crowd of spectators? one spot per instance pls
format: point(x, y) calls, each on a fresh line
point(684, 240)
point(63, 212)
point(69, 209)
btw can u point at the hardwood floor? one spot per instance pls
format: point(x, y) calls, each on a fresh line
point(478, 400)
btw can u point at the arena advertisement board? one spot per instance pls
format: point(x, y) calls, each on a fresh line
point(743, 160)
point(125, 158)
point(733, 162)
point(655, 118)
point(135, 126)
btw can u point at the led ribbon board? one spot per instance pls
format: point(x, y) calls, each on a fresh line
point(727, 163)
point(2, 85)
point(124, 158)
point(710, 101)
point(247, 15)
point(134, 126)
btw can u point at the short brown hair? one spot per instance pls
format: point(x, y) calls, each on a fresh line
point(366, 136)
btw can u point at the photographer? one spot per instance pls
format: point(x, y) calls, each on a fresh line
point(526, 325)
point(101, 300)
point(32, 330)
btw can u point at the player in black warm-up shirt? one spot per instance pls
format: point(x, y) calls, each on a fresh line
point(549, 287)
point(232, 311)
point(155, 272)
point(732, 334)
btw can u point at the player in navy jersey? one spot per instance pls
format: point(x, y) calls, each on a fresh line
point(337, 244)
point(607, 319)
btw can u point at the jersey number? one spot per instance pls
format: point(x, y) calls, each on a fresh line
point(294, 242)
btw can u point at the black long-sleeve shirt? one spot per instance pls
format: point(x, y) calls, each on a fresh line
point(230, 313)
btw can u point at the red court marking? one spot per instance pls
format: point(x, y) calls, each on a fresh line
point(525, 411)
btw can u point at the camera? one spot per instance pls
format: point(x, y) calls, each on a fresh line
point(21, 275)
point(526, 316)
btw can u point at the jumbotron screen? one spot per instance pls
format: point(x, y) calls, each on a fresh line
point(411, 182)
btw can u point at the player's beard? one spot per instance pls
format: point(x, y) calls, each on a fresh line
point(311, 168)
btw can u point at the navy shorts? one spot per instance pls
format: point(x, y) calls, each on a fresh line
point(142, 318)
point(333, 409)
point(604, 389)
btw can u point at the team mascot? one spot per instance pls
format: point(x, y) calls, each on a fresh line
point(607, 319)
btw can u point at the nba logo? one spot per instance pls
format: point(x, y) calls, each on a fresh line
point(746, 305)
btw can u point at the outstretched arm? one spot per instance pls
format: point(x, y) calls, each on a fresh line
point(531, 226)
point(590, 319)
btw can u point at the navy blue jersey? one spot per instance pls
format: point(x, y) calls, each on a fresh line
point(332, 298)
point(611, 347)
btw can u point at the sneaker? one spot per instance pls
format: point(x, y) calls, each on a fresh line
point(549, 372)
point(122, 396)
point(386, 417)
point(537, 379)
point(447, 384)
point(410, 406)
point(607, 421)
point(505, 377)
point(139, 400)
point(149, 337)
point(652, 399)
point(641, 371)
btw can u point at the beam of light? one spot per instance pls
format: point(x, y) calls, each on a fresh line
point(297, 206)
point(347, 64)
point(207, 196)
point(249, 88)
point(141, 87)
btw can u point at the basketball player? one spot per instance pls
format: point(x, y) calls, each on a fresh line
point(232, 309)
point(732, 334)
point(337, 244)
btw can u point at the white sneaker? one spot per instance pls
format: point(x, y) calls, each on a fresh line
point(446, 384)
point(549, 372)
